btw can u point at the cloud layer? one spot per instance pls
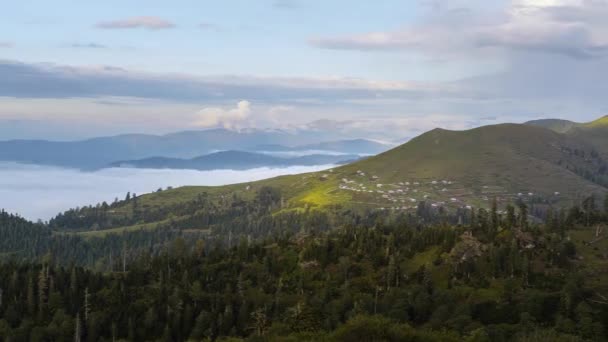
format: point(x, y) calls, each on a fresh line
point(56, 81)
point(150, 23)
point(56, 189)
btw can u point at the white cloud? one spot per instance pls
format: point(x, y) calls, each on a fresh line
point(243, 116)
point(150, 23)
point(6, 45)
point(567, 27)
point(235, 118)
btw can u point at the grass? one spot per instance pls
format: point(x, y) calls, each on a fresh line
point(322, 194)
point(425, 258)
point(601, 122)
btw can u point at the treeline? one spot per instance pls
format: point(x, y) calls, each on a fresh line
point(499, 278)
point(224, 222)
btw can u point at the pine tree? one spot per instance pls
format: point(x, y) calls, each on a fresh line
point(77, 328)
point(42, 289)
point(260, 322)
point(31, 300)
point(494, 217)
point(87, 305)
point(391, 272)
point(510, 216)
point(73, 282)
point(131, 330)
point(523, 215)
point(201, 326)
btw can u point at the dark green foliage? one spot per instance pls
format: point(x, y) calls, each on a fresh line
point(241, 269)
point(385, 282)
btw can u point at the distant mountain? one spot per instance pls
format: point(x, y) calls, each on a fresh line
point(99, 152)
point(594, 132)
point(234, 160)
point(353, 146)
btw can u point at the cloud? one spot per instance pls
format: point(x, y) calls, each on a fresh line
point(226, 118)
point(571, 28)
point(87, 46)
point(6, 45)
point(150, 23)
point(243, 116)
point(56, 81)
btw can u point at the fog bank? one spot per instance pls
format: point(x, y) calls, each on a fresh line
point(40, 192)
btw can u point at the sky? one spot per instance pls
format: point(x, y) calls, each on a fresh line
point(386, 69)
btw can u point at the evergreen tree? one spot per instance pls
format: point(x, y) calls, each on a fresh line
point(77, 328)
point(494, 217)
point(511, 220)
point(42, 289)
point(523, 215)
point(31, 300)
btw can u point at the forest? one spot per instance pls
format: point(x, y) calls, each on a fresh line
point(494, 276)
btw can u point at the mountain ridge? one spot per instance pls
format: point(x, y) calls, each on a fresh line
point(234, 160)
point(98, 152)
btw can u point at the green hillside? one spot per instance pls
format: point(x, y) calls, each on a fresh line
point(443, 169)
point(594, 132)
point(502, 160)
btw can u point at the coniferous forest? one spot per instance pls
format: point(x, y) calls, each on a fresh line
point(494, 276)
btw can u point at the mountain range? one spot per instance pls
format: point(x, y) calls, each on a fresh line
point(234, 160)
point(454, 170)
point(100, 152)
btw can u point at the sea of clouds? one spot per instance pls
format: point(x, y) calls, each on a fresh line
point(40, 192)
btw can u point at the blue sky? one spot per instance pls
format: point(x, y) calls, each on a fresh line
point(261, 37)
point(383, 69)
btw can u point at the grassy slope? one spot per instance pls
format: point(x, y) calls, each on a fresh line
point(594, 132)
point(499, 160)
point(515, 157)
